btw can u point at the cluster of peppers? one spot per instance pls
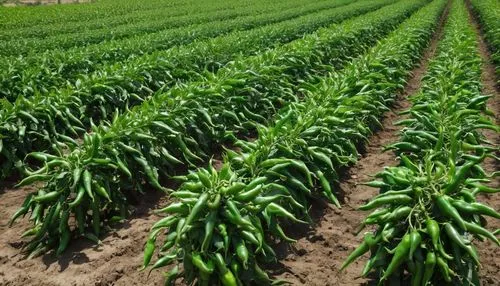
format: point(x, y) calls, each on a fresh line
point(217, 227)
point(96, 181)
point(427, 213)
point(234, 215)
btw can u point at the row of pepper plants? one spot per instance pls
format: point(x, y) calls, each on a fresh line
point(54, 69)
point(50, 122)
point(427, 214)
point(123, 26)
point(95, 181)
point(220, 226)
point(24, 17)
point(488, 14)
point(25, 46)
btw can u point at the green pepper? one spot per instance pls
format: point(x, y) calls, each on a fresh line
point(274, 208)
point(415, 240)
point(23, 210)
point(249, 195)
point(197, 208)
point(400, 254)
point(227, 277)
point(178, 207)
point(485, 210)
point(197, 260)
point(149, 250)
point(87, 183)
point(476, 229)
point(209, 227)
point(443, 253)
point(398, 214)
point(377, 260)
point(214, 205)
point(430, 263)
point(408, 163)
point(459, 177)
point(79, 197)
point(360, 250)
point(442, 201)
point(47, 198)
point(391, 199)
point(459, 240)
point(64, 232)
point(327, 189)
point(234, 188)
point(445, 270)
point(433, 231)
point(241, 251)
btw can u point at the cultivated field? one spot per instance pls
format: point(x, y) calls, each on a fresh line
point(250, 142)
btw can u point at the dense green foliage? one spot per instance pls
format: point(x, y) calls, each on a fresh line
point(50, 121)
point(293, 159)
point(488, 13)
point(52, 70)
point(102, 103)
point(180, 127)
point(427, 213)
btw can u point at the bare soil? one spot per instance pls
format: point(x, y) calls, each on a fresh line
point(114, 262)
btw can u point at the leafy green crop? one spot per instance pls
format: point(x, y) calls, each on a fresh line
point(273, 177)
point(488, 13)
point(427, 213)
point(179, 127)
point(50, 122)
point(54, 69)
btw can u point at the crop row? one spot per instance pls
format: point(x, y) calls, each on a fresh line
point(19, 17)
point(215, 11)
point(488, 13)
point(53, 70)
point(427, 213)
point(221, 224)
point(112, 22)
point(44, 122)
point(181, 126)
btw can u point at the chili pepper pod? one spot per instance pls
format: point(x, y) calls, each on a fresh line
point(456, 238)
point(368, 242)
point(391, 199)
point(448, 210)
point(415, 240)
point(417, 276)
point(444, 269)
point(400, 255)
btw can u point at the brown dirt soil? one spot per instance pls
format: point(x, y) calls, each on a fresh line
point(114, 262)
